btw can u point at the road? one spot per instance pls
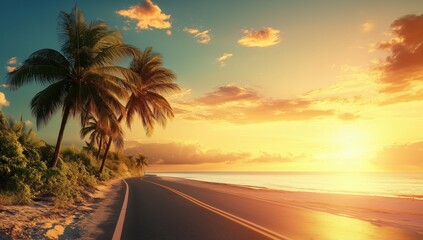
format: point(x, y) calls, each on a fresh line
point(159, 209)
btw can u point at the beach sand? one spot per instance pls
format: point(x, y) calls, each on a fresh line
point(43, 220)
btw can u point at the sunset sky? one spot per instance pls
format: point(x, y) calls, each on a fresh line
point(268, 85)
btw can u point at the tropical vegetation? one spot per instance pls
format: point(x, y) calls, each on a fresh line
point(83, 80)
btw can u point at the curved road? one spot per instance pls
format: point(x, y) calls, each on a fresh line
point(159, 209)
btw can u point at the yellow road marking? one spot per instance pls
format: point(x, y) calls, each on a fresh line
point(257, 228)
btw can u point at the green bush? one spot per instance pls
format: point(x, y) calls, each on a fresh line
point(22, 177)
point(56, 183)
point(9, 145)
point(46, 153)
point(67, 181)
point(24, 173)
point(21, 190)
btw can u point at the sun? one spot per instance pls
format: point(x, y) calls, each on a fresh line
point(351, 142)
point(351, 147)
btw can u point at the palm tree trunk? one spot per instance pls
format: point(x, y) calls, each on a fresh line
point(105, 155)
point(99, 148)
point(60, 137)
point(109, 143)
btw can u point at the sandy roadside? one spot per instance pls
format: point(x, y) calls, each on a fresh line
point(41, 220)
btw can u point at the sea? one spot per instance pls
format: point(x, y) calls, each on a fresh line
point(402, 185)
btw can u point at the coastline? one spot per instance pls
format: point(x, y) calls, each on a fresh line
point(404, 213)
point(347, 178)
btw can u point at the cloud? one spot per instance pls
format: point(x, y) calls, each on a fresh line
point(148, 15)
point(3, 100)
point(242, 105)
point(404, 65)
point(367, 27)
point(348, 116)
point(168, 32)
point(12, 60)
point(262, 38)
point(268, 157)
point(10, 68)
point(191, 30)
point(8, 86)
point(181, 153)
point(178, 153)
point(406, 157)
point(222, 58)
point(201, 36)
point(227, 94)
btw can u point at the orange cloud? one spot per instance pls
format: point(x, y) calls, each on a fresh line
point(244, 105)
point(367, 27)
point(404, 65)
point(3, 100)
point(229, 93)
point(12, 60)
point(10, 68)
point(179, 153)
point(148, 15)
point(222, 58)
point(262, 38)
point(348, 116)
point(201, 36)
point(402, 98)
point(405, 157)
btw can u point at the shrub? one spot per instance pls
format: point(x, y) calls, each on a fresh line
point(57, 184)
point(9, 145)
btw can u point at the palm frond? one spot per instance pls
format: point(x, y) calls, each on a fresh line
point(111, 55)
point(46, 102)
point(44, 67)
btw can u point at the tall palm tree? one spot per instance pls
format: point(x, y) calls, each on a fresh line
point(149, 80)
point(82, 78)
point(141, 161)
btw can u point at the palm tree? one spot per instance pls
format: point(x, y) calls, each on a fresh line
point(89, 147)
point(82, 78)
point(104, 129)
point(150, 79)
point(97, 132)
point(141, 161)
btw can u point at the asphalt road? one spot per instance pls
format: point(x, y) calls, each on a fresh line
point(157, 213)
point(159, 209)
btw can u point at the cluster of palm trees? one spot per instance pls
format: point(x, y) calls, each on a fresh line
point(84, 80)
